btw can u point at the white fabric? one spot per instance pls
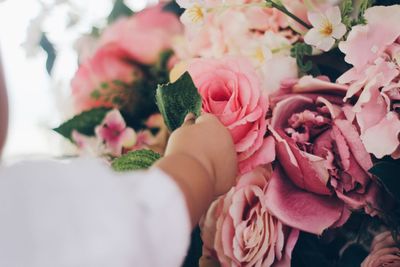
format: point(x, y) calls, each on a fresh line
point(82, 214)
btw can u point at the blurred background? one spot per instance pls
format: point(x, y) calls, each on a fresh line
point(38, 102)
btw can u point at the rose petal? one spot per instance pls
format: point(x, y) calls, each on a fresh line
point(299, 209)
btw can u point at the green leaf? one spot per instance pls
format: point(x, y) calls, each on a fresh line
point(299, 51)
point(135, 160)
point(48, 47)
point(174, 8)
point(346, 9)
point(176, 100)
point(84, 123)
point(119, 10)
point(388, 174)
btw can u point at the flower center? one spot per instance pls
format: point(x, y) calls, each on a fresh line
point(327, 29)
point(195, 13)
point(259, 55)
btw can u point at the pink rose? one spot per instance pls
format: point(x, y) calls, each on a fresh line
point(145, 35)
point(102, 78)
point(374, 51)
point(384, 252)
point(239, 230)
point(324, 163)
point(231, 90)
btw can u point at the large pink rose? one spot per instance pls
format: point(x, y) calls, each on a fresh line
point(374, 51)
point(384, 252)
point(239, 230)
point(230, 89)
point(145, 35)
point(324, 163)
point(102, 78)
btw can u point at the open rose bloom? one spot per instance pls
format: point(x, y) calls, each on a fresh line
point(244, 233)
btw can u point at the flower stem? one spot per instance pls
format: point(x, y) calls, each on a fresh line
point(283, 9)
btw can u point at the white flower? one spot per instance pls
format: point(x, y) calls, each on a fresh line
point(326, 28)
point(194, 14)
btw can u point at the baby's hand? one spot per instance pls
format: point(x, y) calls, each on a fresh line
point(210, 143)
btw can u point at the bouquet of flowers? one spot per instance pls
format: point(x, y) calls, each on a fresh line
point(310, 92)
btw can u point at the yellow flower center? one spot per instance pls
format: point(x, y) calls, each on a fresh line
point(259, 54)
point(327, 29)
point(195, 13)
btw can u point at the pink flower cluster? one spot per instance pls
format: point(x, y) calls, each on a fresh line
point(104, 79)
point(374, 51)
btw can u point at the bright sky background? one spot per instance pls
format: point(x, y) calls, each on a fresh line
point(37, 102)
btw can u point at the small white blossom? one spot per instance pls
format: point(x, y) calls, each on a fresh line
point(327, 27)
point(194, 14)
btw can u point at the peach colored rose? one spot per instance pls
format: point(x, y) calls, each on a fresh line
point(384, 252)
point(238, 230)
point(231, 90)
point(145, 35)
point(102, 78)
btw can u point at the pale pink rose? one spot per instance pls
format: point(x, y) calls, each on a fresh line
point(114, 134)
point(231, 90)
point(100, 76)
point(374, 51)
point(238, 230)
point(324, 163)
point(145, 35)
point(384, 252)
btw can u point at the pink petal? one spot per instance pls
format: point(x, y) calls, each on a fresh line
point(387, 132)
point(354, 142)
point(264, 155)
point(299, 209)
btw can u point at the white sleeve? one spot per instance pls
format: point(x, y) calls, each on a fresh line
point(82, 214)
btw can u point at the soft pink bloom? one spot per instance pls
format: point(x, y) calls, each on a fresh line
point(100, 74)
point(231, 90)
point(374, 51)
point(239, 230)
point(365, 43)
point(145, 35)
point(114, 134)
point(324, 163)
point(384, 252)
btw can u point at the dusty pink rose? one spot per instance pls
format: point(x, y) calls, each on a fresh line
point(231, 90)
point(239, 231)
point(384, 252)
point(102, 77)
point(374, 51)
point(114, 134)
point(324, 163)
point(145, 35)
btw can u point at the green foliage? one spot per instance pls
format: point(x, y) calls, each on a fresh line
point(346, 9)
point(299, 51)
point(176, 100)
point(84, 123)
point(388, 174)
point(119, 10)
point(48, 47)
point(135, 160)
